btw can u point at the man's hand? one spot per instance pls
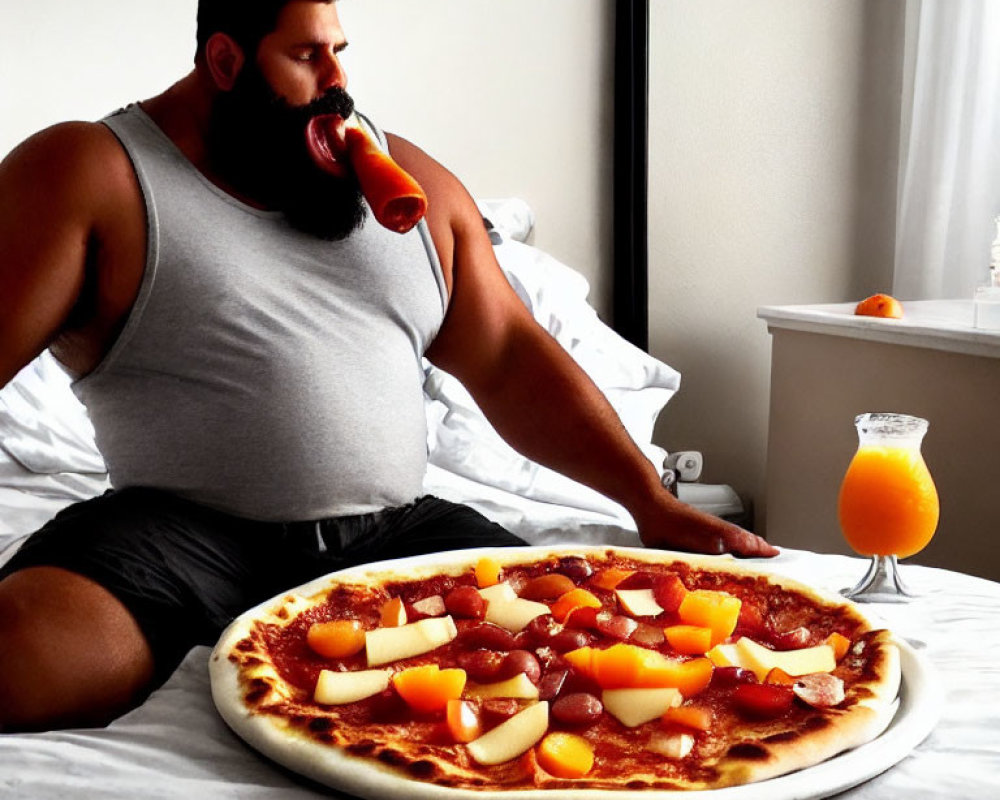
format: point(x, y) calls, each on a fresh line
point(670, 524)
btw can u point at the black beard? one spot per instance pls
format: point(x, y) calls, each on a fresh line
point(257, 143)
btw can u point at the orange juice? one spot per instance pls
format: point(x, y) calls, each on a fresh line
point(888, 503)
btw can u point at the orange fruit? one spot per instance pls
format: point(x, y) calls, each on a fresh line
point(880, 305)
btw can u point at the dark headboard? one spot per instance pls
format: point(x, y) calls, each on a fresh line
point(631, 290)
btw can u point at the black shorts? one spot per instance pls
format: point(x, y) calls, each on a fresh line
point(185, 571)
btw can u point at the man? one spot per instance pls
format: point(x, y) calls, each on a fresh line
point(248, 345)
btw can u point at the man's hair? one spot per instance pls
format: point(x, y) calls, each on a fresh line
point(246, 21)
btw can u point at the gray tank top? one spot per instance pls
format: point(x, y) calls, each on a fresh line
point(263, 371)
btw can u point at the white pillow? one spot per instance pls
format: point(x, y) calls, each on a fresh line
point(461, 440)
point(42, 424)
point(511, 216)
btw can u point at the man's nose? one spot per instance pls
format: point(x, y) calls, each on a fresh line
point(332, 73)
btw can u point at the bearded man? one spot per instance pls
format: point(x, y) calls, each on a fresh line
point(248, 343)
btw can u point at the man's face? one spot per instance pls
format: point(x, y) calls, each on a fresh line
point(257, 134)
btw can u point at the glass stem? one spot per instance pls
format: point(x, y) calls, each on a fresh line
point(881, 580)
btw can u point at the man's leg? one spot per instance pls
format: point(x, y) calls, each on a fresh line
point(101, 605)
point(70, 653)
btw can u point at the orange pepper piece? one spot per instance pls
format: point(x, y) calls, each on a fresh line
point(698, 718)
point(776, 675)
point(336, 639)
point(565, 755)
point(689, 640)
point(609, 577)
point(719, 611)
point(839, 643)
point(393, 613)
point(487, 572)
point(462, 720)
point(693, 676)
point(428, 688)
point(581, 659)
point(574, 598)
point(625, 666)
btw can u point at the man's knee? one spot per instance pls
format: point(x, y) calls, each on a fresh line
point(70, 653)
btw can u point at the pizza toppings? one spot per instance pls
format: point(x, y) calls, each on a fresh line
point(340, 688)
point(694, 717)
point(571, 667)
point(633, 707)
point(577, 710)
point(839, 643)
point(820, 690)
point(513, 737)
point(514, 615)
point(465, 602)
point(763, 700)
point(386, 645)
point(717, 611)
point(547, 588)
point(571, 601)
point(337, 638)
point(761, 660)
point(487, 572)
point(639, 602)
point(429, 688)
point(393, 613)
point(565, 755)
point(671, 745)
point(689, 639)
point(519, 686)
point(463, 721)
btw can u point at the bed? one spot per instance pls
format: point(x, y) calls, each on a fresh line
point(175, 745)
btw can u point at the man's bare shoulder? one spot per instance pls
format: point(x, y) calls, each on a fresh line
point(451, 211)
point(436, 180)
point(68, 161)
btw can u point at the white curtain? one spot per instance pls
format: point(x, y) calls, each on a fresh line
point(949, 179)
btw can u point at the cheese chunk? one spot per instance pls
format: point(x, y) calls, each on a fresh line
point(339, 688)
point(725, 655)
point(498, 592)
point(520, 687)
point(514, 615)
point(804, 661)
point(639, 602)
point(513, 737)
point(632, 707)
point(383, 645)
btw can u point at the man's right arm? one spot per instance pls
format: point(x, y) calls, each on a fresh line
point(52, 194)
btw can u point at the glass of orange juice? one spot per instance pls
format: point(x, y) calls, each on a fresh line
point(888, 504)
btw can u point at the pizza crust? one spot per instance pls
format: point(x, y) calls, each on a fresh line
point(366, 777)
point(867, 719)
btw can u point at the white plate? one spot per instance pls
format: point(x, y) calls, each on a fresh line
point(919, 707)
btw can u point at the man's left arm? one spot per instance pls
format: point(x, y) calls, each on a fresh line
point(536, 397)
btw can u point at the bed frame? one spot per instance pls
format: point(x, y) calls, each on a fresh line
point(630, 283)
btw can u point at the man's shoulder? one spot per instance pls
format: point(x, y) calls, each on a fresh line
point(69, 157)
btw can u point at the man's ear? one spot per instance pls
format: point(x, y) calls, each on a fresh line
point(224, 58)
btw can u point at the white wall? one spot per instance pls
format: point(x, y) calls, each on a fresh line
point(513, 97)
point(773, 130)
point(81, 60)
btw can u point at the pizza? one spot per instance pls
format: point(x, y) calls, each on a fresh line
point(540, 670)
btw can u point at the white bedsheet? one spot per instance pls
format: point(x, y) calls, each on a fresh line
point(175, 746)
